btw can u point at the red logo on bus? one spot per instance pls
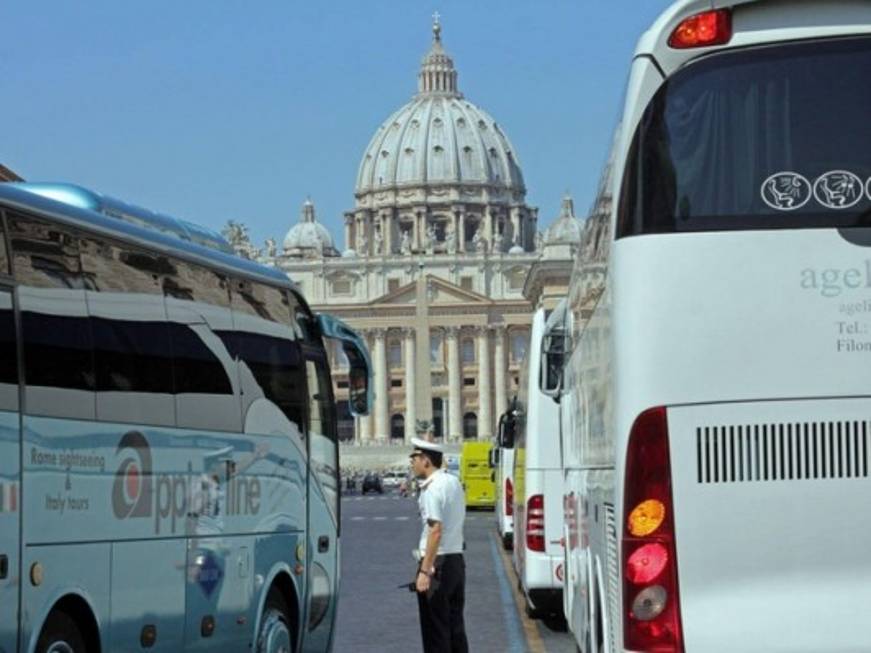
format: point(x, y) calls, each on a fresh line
point(131, 494)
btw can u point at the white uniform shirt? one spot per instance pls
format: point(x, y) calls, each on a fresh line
point(442, 499)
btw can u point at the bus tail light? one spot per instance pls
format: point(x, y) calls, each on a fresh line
point(651, 611)
point(535, 523)
point(703, 30)
point(509, 498)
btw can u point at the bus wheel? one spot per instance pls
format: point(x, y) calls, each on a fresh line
point(275, 634)
point(60, 635)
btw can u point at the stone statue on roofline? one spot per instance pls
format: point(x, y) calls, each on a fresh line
point(378, 241)
point(430, 239)
point(479, 242)
point(405, 243)
point(450, 239)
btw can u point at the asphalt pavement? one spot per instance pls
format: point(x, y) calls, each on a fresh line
point(377, 538)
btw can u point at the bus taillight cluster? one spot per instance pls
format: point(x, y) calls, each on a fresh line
point(650, 585)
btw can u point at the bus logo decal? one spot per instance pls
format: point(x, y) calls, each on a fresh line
point(786, 191)
point(838, 189)
point(132, 494)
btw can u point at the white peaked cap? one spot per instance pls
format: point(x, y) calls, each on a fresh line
point(426, 445)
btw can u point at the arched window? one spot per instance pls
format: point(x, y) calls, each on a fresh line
point(470, 426)
point(397, 427)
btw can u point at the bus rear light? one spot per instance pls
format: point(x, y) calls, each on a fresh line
point(646, 563)
point(649, 603)
point(509, 498)
point(535, 523)
point(646, 517)
point(703, 30)
point(651, 609)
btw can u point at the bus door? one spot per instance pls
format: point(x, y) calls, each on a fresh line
point(10, 475)
point(323, 503)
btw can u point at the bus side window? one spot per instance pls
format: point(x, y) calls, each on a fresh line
point(4, 251)
point(56, 332)
point(197, 303)
point(270, 365)
point(8, 354)
point(132, 353)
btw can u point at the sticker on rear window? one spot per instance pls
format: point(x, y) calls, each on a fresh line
point(838, 189)
point(786, 191)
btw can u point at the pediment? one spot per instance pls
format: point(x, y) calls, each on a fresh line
point(439, 291)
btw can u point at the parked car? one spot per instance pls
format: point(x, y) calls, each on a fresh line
point(392, 480)
point(372, 483)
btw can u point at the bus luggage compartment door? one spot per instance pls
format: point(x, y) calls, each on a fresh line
point(770, 506)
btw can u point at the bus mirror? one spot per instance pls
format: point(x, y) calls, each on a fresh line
point(360, 391)
point(507, 425)
point(555, 347)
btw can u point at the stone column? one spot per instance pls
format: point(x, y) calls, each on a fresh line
point(364, 422)
point(349, 222)
point(455, 400)
point(415, 232)
point(485, 420)
point(461, 231)
point(410, 345)
point(381, 385)
point(500, 370)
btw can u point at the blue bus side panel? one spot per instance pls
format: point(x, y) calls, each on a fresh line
point(322, 568)
point(186, 512)
point(9, 515)
point(90, 481)
point(220, 586)
point(88, 564)
point(148, 589)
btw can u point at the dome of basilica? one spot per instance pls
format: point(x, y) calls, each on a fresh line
point(439, 138)
point(308, 235)
point(567, 229)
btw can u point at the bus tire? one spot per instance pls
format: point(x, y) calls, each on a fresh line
point(60, 634)
point(276, 633)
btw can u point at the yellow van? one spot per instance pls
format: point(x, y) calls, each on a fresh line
point(475, 475)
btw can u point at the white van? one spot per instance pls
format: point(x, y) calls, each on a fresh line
point(538, 554)
point(502, 462)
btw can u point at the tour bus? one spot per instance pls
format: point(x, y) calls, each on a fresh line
point(502, 462)
point(719, 372)
point(537, 555)
point(168, 451)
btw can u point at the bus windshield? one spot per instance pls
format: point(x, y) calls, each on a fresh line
point(761, 138)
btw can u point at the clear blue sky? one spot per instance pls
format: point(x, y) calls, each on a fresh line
point(215, 110)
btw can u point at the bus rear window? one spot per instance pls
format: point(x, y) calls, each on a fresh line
point(761, 138)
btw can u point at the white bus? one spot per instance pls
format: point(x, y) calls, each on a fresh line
point(168, 446)
point(502, 463)
point(537, 551)
point(720, 367)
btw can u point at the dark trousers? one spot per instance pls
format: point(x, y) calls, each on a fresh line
point(441, 609)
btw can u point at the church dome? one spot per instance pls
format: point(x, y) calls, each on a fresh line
point(308, 236)
point(566, 230)
point(439, 138)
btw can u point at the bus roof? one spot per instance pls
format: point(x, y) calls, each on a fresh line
point(79, 207)
point(754, 22)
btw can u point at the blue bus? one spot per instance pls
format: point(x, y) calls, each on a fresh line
point(168, 448)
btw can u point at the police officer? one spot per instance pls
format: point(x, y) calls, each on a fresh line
point(441, 576)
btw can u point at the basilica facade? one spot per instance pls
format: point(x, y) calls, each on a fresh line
point(437, 254)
